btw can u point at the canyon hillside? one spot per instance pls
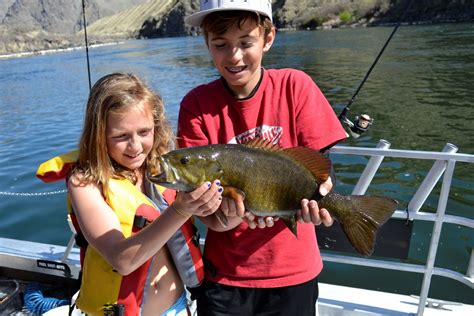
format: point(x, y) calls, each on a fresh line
point(31, 25)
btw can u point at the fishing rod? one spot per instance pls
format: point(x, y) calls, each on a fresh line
point(87, 45)
point(364, 121)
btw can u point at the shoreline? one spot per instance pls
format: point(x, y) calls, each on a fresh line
point(53, 51)
point(327, 26)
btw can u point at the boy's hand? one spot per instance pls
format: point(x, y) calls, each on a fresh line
point(257, 221)
point(233, 206)
point(310, 211)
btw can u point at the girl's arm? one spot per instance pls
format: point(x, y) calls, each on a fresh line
point(101, 227)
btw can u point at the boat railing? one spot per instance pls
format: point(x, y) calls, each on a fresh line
point(444, 165)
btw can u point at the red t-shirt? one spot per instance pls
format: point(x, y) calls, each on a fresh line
point(288, 108)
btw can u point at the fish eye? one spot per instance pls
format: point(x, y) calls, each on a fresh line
point(184, 160)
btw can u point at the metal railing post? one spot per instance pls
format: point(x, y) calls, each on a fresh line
point(72, 240)
point(369, 172)
point(430, 181)
point(443, 201)
point(70, 245)
point(470, 269)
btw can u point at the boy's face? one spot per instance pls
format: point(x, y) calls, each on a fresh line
point(237, 54)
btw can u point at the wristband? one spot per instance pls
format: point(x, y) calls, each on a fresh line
point(183, 214)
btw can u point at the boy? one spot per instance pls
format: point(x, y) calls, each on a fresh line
point(265, 271)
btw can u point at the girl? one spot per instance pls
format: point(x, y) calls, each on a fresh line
point(126, 261)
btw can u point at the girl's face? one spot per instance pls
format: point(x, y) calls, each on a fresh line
point(130, 135)
point(237, 55)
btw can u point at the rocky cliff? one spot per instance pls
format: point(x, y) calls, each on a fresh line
point(151, 19)
point(28, 25)
point(166, 17)
point(429, 11)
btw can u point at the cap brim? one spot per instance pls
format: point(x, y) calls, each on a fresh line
point(197, 18)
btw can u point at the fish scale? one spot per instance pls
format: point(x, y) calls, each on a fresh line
point(267, 191)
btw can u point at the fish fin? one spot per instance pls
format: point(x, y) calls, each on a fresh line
point(233, 192)
point(318, 164)
point(368, 214)
point(221, 218)
point(290, 222)
point(262, 143)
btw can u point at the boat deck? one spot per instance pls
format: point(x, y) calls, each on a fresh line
point(335, 300)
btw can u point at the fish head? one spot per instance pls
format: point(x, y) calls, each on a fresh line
point(186, 169)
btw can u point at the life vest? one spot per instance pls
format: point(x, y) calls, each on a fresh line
point(101, 286)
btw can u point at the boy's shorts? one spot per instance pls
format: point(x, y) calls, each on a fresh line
point(218, 300)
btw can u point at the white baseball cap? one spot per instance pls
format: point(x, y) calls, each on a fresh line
point(263, 7)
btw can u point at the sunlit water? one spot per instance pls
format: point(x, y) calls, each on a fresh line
point(420, 95)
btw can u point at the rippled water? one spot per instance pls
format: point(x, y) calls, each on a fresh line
point(420, 94)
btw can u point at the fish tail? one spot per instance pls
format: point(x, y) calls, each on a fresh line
point(367, 215)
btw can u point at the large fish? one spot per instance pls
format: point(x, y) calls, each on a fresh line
point(273, 181)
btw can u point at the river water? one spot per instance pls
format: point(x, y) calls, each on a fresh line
point(420, 95)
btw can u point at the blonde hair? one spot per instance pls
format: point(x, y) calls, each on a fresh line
point(116, 93)
point(221, 21)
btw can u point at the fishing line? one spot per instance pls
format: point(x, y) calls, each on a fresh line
point(363, 122)
point(87, 45)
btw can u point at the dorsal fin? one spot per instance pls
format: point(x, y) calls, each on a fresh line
point(263, 144)
point(318, 164)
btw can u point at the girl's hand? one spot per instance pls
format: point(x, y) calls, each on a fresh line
point(203, 201)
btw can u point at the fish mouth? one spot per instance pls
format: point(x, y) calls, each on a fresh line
point(158, 179)
point(168, 177)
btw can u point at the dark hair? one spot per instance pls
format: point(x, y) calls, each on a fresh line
point(219, 22)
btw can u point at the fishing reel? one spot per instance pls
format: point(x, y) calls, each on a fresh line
point(359, 126)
